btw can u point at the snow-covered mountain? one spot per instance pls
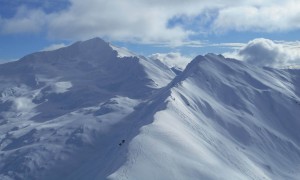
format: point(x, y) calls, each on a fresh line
point(96, 111)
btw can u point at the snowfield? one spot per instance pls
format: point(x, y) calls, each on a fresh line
point(95, 111)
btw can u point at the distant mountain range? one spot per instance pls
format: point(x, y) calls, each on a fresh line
point(93, 111)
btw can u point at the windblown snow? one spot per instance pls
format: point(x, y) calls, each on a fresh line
point(95, 111)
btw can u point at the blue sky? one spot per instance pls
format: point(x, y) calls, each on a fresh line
point(188, 27)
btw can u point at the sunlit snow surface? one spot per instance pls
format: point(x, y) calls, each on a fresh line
point(122, 52)
point(85, 112)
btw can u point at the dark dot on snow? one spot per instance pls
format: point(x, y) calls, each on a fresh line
point(122, 142)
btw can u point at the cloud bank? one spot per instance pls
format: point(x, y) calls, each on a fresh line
point(24, 21)
point(265, 52)
point(163, 22)
point(172, 59)
point(260, 52)
point(278, 16)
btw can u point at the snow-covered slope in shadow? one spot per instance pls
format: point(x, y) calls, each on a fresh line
point(223, 119)
point(59, 107)
point(88, 69)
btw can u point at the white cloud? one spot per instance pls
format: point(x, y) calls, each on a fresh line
point(54, 47)
point(279, 16)
point(145, 21)
point(265, 52)
point(116, 20)
point(24, 21)
point(233, 54)
point(235, 46)
point(172, 59)
point(289, 44)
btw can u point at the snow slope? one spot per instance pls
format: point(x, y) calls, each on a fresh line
point(56, 104)
point(221, 119)
point(93, 111)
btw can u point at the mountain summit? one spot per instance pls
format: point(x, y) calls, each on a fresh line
point(96, 111)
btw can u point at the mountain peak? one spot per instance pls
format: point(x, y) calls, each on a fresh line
point(92, 44)
point(90, 50)
point(93, 41)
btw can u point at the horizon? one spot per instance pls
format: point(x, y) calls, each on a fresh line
point(243, 30)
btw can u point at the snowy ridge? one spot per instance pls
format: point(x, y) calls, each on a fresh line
point(85, 112)
point(122, 52)
point(220, 116)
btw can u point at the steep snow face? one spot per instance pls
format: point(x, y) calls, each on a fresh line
point(82, 112)
point(122, 52)
point(56, 104)
point(159, 72)
point(221, 119)
point(75, 75)
point(93, 61)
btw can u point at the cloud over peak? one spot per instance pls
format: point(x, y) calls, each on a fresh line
point(265, 52)
point(172, 59)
